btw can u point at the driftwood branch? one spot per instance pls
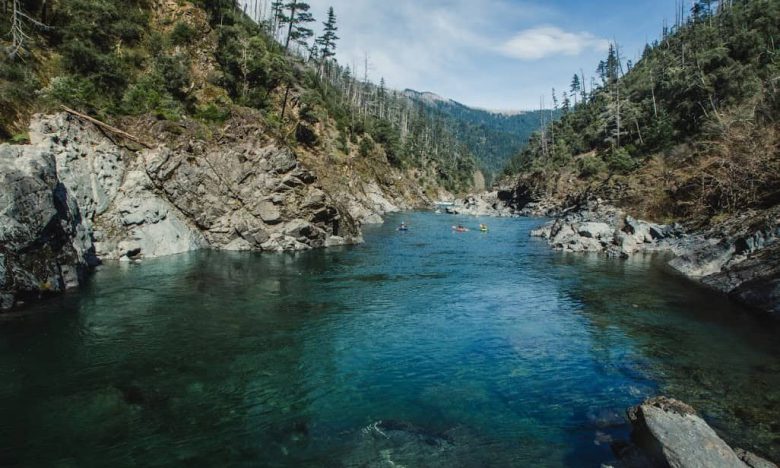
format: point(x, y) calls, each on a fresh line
point(107, 127)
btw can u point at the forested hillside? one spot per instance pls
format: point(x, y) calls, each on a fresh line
point(492, 137)
point(203, 61)
point(688, 132)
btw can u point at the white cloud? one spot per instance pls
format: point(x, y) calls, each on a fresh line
point(467, 50)
point(423, 43)
point(545, 41)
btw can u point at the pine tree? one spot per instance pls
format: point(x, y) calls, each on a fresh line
point(296, 23)
point(327, 41)
point(612, 65)
point(576, 87)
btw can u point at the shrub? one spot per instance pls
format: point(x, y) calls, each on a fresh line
point(366, 147)
point(20, 139)
point(213, 113)
point(619, 160)
point(70, 90)
point(590, 166)
point(182, 33)
point(305, 134)
point(175, 73)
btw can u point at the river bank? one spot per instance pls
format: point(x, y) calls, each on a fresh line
point(739, 256)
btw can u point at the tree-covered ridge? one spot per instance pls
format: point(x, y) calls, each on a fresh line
point(493, 138)
point(201, 59)
point(693, 124)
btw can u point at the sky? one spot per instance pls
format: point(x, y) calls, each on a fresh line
point(492, 54)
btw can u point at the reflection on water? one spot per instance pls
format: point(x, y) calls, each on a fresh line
point(425, 348)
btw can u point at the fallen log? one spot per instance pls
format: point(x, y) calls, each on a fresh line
point(105, 126)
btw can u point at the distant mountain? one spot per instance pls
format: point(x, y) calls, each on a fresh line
point(493, 137)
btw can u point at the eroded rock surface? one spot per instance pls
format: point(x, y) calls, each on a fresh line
point(45, 247)
point(74, 196)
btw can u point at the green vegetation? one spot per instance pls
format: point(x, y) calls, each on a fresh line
point(116, 59)
point(692, 125)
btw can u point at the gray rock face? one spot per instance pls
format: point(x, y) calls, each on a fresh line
point(483, 204)
point(667, 432)
point(44, 247)
point(238, 206)
point(74, 197)
point(740, 258)
point(372, 204)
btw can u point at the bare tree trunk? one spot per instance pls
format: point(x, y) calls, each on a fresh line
point(617, 109)
point(284, 105)
point(19, 36)
point(290, 27)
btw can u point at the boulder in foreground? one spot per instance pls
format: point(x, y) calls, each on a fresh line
point(668, 433)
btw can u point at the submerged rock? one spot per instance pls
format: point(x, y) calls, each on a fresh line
point(397, 443)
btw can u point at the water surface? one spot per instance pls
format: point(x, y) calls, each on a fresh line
point(473, 349)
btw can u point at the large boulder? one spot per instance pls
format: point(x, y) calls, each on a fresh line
point(669, 433)
point(44, 245)
point(595, 230)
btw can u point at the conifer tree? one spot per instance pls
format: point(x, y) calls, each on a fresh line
point(576, 87)
point(299, 16)
point(327, 41)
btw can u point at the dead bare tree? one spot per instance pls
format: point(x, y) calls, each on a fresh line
point(19, 36)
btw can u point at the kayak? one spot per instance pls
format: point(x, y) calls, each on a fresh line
point(459, 229)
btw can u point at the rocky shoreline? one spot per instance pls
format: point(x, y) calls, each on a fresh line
point(74, 197)
point(740, 257)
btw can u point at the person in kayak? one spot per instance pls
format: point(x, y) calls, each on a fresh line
point(403, 226)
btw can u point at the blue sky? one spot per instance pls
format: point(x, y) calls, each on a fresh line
point(495, 54)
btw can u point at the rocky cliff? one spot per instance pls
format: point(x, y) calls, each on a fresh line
point(75, 197)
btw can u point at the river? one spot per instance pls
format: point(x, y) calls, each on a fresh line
point(472, 349)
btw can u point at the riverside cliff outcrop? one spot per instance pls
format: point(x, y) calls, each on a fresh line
point(74, 197)
point(739, 257)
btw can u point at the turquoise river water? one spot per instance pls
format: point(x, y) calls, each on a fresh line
point(421, 348)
